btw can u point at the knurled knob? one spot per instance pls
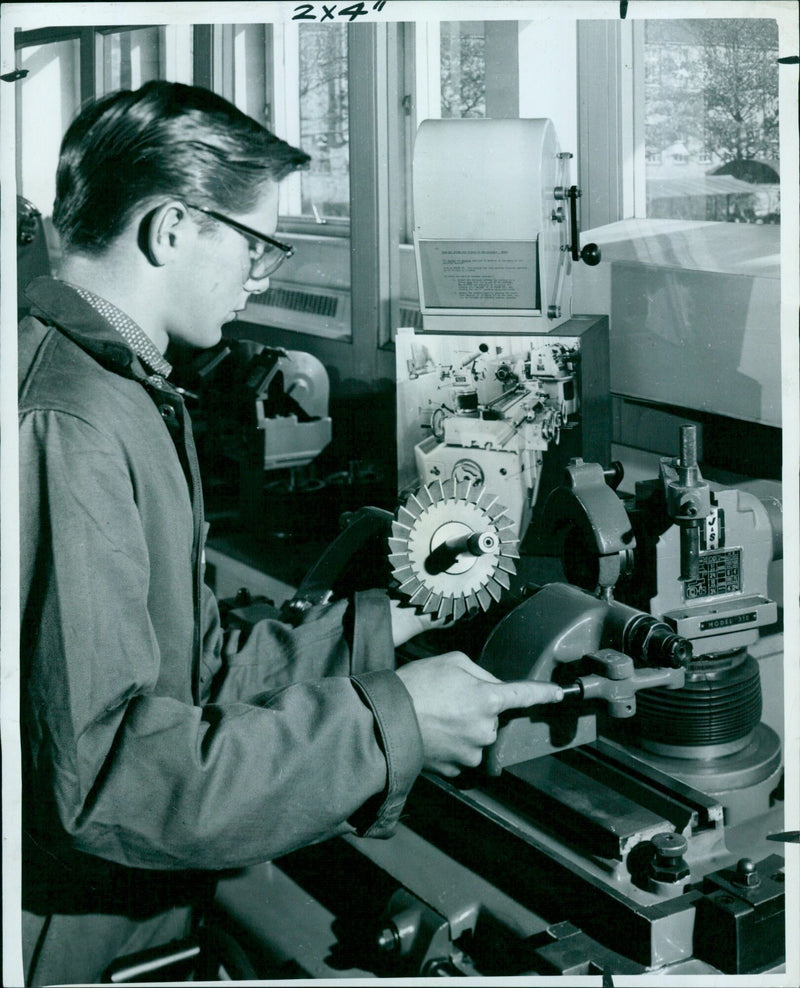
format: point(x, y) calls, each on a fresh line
point(670, 845)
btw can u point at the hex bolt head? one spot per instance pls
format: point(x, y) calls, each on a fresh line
point(747, 874)
point(667, 864)
point(387, 940)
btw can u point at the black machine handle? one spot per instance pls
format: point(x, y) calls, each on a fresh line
point(591, 252)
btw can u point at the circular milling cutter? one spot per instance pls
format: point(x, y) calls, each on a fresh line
point(452, 548)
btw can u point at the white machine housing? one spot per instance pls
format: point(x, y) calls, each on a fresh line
point(492, 225)
point(520, 403)
point(289, 442)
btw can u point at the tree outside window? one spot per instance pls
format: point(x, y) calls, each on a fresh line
point(325, 120)
point(463, 69)
point(711, 109)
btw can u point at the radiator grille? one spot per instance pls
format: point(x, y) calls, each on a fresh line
point(299, 301)
point(410, 317)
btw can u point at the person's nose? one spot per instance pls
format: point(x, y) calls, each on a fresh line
point(255, 286)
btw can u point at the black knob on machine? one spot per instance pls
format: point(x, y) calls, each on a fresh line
point(590, 254)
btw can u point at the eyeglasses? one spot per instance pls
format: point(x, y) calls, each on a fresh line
point(266, 253)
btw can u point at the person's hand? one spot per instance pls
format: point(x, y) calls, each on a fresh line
point(458, 705)
point(408, 621)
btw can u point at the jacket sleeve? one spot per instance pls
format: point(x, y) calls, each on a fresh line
point(141, 775)
point(346, 638)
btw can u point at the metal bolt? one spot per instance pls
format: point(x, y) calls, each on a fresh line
point(688, 446)
point(667, 865)
point(670, 845)
point(747, 874)
point(387, 940)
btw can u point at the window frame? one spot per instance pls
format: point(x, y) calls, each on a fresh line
point(285, 115)
point(611, 118)
point(376, 103)
point(180, 49)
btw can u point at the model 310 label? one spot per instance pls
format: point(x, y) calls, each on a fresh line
point(727, 622)
point(720, 572)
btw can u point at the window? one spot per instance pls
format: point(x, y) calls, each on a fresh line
point(711, 113)
point(462, 55)
point(324, 120)
point(68, 65)
point(305, 77)
point(53, 81)
point(295, 79)
point(708, 86)
point(130, 58)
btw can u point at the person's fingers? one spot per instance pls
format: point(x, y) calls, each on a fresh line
point(526, 693)
point(480, 673)
point(551, 693)
point(491, 732)
point(447, 769)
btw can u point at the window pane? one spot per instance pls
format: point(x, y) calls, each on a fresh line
point(250, 77)
point(463, 69)
point(324, 120)
point(52, 87)
point(711, 119)
point(131, 58)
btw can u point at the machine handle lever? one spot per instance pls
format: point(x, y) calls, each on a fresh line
point(591, 252)
point(619, 687)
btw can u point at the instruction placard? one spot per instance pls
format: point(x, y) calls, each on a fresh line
point(478, 274)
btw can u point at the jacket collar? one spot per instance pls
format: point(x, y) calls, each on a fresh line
point(62, 307)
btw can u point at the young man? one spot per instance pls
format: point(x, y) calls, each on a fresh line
point(155, 753)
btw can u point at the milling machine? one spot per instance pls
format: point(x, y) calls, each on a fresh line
point(697, 558)
point(626, 830)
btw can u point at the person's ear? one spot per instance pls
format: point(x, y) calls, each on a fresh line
point(162, 231)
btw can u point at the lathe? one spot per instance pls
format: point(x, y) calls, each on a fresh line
point(490, 411)
point(633, 828)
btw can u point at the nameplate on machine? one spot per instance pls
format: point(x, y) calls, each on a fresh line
point(728, 622)
point(720, 573)
point(479, 274)
point(708, 619)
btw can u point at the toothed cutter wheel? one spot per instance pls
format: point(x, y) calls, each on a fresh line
point(452, 548)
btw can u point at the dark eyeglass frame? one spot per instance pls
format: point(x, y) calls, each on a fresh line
point(286, 250)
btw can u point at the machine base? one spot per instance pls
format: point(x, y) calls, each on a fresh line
point(518, 876)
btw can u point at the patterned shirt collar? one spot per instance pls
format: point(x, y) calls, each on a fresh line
point(134, 336)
